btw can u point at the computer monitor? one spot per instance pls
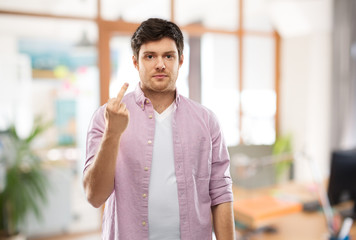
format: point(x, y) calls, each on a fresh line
point(342, 182)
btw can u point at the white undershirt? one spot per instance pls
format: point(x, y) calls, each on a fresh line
point(163, 208)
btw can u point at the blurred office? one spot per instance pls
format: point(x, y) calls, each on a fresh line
point(267, 68)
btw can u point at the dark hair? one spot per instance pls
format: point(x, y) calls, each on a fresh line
point(154, 29)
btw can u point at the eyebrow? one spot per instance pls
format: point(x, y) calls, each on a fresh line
point(150, 52)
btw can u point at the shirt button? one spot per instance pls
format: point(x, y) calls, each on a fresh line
point(147, 101)
point(149, 141)
point(143, 223)
point(146, 168)
point(150, 116)
point(142, 106)
point(144, 195)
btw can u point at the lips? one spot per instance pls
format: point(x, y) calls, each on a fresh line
point(160, 76)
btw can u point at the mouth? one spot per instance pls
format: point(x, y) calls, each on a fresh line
point(160, 76)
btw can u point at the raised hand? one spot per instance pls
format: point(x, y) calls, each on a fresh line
point(116, 114)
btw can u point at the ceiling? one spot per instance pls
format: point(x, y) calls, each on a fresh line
point(289, 17)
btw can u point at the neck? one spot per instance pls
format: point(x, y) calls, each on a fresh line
point(160, 100)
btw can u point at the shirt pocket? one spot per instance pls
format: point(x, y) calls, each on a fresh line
point(199, 152)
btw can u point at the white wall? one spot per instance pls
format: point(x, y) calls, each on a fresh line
point(305, 98)
point(306, 87)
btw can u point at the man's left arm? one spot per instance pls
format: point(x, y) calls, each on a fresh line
point(223, 221)
point(220, 186)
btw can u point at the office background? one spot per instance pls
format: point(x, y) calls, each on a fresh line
point(267, 68)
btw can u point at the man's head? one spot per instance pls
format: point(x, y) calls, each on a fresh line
point(158, 55)
point(155, 29)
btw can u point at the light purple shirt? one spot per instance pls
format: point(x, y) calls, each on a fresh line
point(201, 166)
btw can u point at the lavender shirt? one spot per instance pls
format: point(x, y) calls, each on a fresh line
point(201, 166)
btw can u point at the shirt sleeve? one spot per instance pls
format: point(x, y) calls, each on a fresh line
point(94, 135)
point(220, 187)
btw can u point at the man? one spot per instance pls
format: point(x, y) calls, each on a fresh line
point(155, 158)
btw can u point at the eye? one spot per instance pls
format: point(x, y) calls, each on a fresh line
point(170, 56)
point(149, 56)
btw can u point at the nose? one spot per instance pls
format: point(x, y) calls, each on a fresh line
point(160, 66)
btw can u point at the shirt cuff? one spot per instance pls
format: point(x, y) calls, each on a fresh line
point(221, 191)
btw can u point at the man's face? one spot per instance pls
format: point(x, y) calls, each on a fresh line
point(158, 65)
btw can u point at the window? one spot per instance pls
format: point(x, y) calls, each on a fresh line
point(48, 68)
point(220, 89)
point(258, 97)
point(238, 62)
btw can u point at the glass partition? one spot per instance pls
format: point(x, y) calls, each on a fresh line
point(220, 90)
point(258, 97)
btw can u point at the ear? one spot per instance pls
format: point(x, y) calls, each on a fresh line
point(181, 60)
point(135, 62)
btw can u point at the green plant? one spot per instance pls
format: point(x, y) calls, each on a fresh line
point(26, 182)
point(282, 148)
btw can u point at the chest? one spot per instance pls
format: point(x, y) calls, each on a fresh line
point(189, 138)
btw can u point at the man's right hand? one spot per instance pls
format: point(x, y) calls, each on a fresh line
point(116, 114)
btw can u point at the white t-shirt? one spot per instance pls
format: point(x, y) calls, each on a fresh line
point(163, 208)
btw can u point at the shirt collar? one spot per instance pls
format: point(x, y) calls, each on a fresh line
point(142, 100)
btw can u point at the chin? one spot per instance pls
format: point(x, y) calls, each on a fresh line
point(162, 87)
point(161, 90)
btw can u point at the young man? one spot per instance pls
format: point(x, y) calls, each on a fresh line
point(155, 158)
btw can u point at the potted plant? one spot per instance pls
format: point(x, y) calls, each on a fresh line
point(282, 150)
point(24, 180)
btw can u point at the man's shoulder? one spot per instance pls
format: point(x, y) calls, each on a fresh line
point(198, 107)
point(196, 112)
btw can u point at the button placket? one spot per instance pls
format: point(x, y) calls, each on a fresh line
point(148, 112)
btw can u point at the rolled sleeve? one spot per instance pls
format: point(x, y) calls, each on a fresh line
point(221, 191)
point(220, 186)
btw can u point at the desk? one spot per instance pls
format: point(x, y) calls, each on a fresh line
point(296, 226)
